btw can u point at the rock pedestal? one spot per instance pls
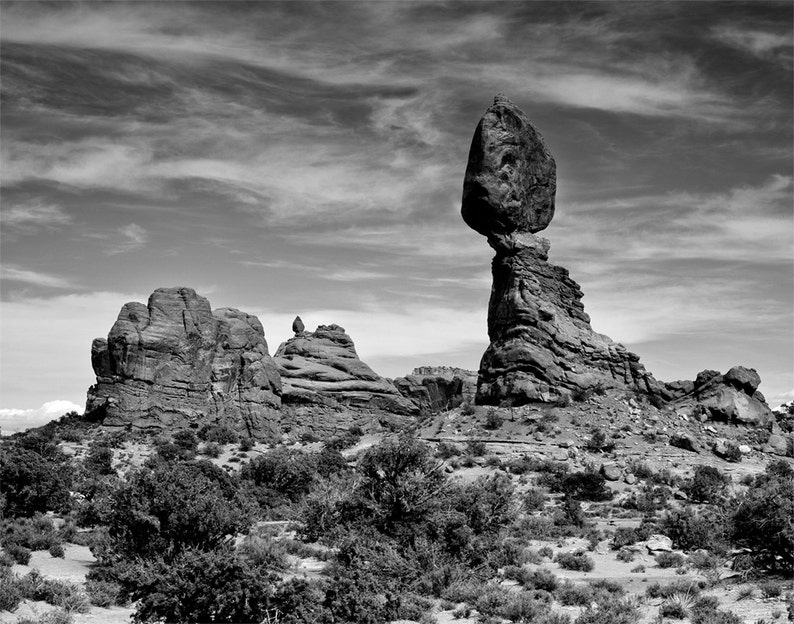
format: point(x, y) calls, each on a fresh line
point(541, 347)
point(174, 363)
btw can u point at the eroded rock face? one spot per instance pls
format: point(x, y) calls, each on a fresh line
point(174, 363)
point(322, 368)
point(731, 397)
point(438, 388)
point(541, 344)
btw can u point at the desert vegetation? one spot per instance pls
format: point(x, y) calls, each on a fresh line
point(395, 531)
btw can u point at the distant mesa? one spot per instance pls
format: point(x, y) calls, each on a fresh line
point(542, 347)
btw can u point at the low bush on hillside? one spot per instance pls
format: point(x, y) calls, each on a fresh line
point(577, 560)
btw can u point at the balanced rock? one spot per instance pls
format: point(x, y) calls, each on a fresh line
point(511, 178)
point(541, 344)
point(174, 363)
point(322, 368)
point(437, 388)
point(731, 397)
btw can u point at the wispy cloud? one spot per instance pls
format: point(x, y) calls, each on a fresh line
point(34, 278)
point(763, 44)
point(29, 217)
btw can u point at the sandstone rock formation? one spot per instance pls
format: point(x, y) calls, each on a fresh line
point(731, 397)
point(541, 344)
point(322, 368)
point(438, 388)
point(175, 363)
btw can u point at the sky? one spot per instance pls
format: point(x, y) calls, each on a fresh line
point(308, 158)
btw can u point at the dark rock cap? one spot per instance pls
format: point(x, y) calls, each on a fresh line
point(511, 177)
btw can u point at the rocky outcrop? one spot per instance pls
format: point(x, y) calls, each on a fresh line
point(438, 388)
point(731, 397)
point(174, 363)
point(322, 368)
point(541, 344)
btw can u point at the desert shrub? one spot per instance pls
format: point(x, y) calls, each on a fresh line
point(577, 560)
point(211, 449)
point(204, 586)
point(625, 555)
point(587, 485)
point(492, 419)
point(476, 448)
point(36, 533)
point(732, 453)
point(486, 504)
point(10, 592)
point(534, 499)
point(771, 589)
point(31, 483)
point(707, 485)
point(598, 442)
point(280, 476)
point(99, 460)
point(523, 607)
point(445, 450)
point(650, 499)
point(546, 552)
point(691, 530)
point(613, 612)
point(103, 593)
point(574, 594)
point(220, 434)
point(400, 484)
point(246, 444)
point(569, 514)
point(467, 409)
point(705, 611)
point(343, 440)
point(763, 518)
point(161, 511)
point(263, 552)
point(56, 550)
point(677, 606)
point(638, 569)
point(542, 579)
point(18, 553)
point(669, 560)
point(186, 440)
point(657, 590)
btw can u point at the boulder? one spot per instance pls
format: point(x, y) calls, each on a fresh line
point(611, 472)
point(732, 397)
point(174, 363)
point(322, 368)
point(776, 445)
point(684, 440)
point(542, 347)
point(658, 543)
point(438, 388)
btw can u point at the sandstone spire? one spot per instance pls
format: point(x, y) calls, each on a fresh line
point(542, 346)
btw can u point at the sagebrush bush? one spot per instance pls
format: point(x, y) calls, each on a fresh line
point(669, 560)
point(10, 592)
point(578, 560)
point(707, 485)
point(534, 499)
point(103, 593)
